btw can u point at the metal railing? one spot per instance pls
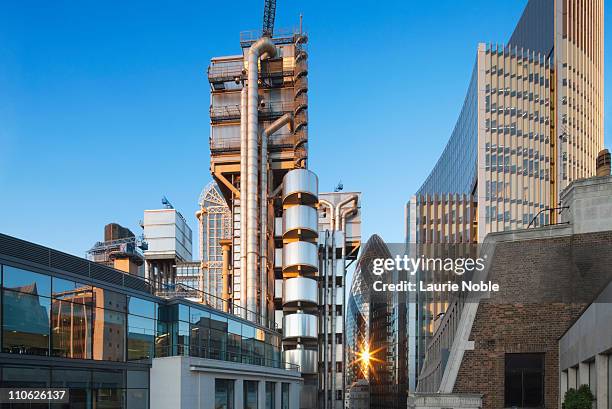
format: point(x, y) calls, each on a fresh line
point(281, 36)
point(222, 355)
point(551, 210)
point(181, 291)
point(226, 70)
point(279, 139)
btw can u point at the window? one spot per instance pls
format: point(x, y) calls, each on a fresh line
point(593, 379)
point(71, 331)
point(26, 316)
point(524, 380)
point(285, 395)
point(250, 394)
point(270, 395)
point(25, 281)
point(224, 394)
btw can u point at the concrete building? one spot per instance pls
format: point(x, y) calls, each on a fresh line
point(103, 334)
point(504, 349)
point(585, 352)
point(531, 123)
point(169, 241)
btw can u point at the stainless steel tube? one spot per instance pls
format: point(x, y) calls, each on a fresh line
point(326, 302)
point(243, 195)
point(344, 214)
point(263, 217)
point(337, 226)
point(325, 321)
point(261, 46)
point(333, 319)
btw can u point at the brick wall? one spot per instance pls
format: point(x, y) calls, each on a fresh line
point(545, 285)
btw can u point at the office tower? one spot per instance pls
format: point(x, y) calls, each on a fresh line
point(288, 246)
point(262, 91)
point(531, 123)
point(375, 335)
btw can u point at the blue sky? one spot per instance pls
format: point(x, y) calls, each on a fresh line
point(104, 105)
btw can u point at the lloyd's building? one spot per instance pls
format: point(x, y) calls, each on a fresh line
point(531, 123)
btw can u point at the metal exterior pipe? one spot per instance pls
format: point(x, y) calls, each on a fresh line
point(326, 302)
point(343, 215)
point(338, 224)
point(243, 195)
point(263, 248)
point(333, 320)
point(325, 327)
point(331, 210)
point(263, 45)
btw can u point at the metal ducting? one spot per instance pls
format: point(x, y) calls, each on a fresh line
point(263, 46)
point(300, 291)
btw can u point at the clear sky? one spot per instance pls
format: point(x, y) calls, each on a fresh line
point(104, 105)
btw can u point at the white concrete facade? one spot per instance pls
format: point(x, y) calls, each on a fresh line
point(585, 352)
point(183, 382)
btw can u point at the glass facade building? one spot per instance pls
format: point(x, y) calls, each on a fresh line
point(375, 335)
point(68, 322)
point(531, 123)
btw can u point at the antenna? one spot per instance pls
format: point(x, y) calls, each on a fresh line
point(166, 203)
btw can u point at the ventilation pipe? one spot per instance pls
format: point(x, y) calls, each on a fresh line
point(243, 195)
point(326, 269)
point(340, 224)
point(343, 216)
point(286, 119)
point(261, 46)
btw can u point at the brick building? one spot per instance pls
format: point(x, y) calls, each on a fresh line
point(503, 351)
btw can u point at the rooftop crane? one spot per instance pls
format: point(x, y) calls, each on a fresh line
point(268, 18)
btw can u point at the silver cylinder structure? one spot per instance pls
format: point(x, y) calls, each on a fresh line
point(300, 257)
point(262, 46)
point(299, 291)
point(306, 359)
point(300, 269)
point(300, 222)
point(300, 325)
